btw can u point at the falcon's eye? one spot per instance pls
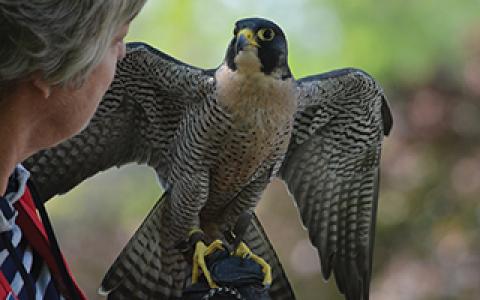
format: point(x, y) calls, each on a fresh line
point(266, 34)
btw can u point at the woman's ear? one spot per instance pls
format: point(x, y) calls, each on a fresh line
point(43, 86)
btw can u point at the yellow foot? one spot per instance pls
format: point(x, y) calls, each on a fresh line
point(201, 250)
point(245, 252)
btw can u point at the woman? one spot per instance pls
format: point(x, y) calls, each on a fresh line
point(57, 59)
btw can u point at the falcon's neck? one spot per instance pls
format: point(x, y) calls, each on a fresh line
point(255, 99)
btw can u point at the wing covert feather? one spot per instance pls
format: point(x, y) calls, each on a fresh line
point(135, 121)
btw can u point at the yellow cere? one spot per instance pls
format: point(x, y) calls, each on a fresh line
point(249, 35)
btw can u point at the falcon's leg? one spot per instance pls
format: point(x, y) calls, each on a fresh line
point(246, 200)
point(245, 252)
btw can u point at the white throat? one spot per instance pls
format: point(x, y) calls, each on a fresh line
point(247, 61)
point(255, 99)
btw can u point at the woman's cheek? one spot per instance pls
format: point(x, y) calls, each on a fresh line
point(122, 51)
point(107, 72)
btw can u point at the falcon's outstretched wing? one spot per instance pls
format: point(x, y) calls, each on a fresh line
point(135, 121)
point(332, 168)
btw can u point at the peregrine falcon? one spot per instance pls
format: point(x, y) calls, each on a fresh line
point(216, 138)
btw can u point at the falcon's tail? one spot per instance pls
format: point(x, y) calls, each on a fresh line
point(257, 240)
point(149, 267)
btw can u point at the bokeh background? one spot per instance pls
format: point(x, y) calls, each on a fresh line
point(426, 54)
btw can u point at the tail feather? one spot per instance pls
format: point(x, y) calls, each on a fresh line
point(149, 267)
point(257, 240)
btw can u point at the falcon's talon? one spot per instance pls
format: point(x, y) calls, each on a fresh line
point(245, 252)
point(202, 250)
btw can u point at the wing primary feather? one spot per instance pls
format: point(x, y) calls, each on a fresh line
point(386, 116)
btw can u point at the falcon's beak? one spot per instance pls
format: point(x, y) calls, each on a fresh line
point(245, 38)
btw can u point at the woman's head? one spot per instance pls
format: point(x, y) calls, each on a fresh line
point(63, 40)
point(57, 59)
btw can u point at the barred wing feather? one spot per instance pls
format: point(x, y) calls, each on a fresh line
point(331, 169)
point(135, 121)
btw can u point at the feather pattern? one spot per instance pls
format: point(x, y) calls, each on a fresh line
point(331, 169)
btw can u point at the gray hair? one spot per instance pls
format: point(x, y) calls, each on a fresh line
point(62, 39)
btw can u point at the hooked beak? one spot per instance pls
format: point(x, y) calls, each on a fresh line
point(245, 38)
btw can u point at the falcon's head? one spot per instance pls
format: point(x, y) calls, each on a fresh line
point(258, 45)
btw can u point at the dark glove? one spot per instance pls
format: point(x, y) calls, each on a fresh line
point(238, 278)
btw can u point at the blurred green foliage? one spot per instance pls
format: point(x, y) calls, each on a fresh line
point(396, 40)
point(427, 56)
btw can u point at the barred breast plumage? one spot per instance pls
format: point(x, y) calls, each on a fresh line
point(261, 113)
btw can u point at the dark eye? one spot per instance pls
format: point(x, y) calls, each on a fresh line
point(266, 34)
